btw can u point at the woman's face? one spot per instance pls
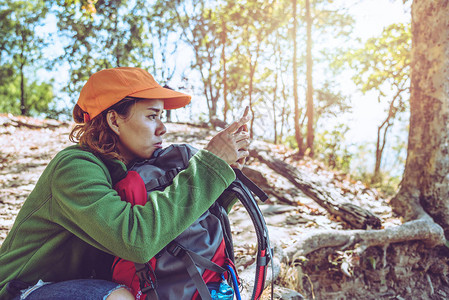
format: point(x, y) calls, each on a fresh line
point(140, 133)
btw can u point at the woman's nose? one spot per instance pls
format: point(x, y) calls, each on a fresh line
point(161, 129)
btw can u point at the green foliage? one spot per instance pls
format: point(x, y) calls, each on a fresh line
point(387, 181)
point(331, 149)
point(9, 94)
point(290, 141)
point(102, 34)
point(200, 22)
point(21, 51)
point(387, 184)
point(329, 101)
point(39, 96)
point(330, 20)
point(164, 27)
point(384, 61)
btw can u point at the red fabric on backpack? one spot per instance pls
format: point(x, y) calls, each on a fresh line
point(220, 259)
point(131, 189)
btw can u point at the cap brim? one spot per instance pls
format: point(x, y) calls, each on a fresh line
point(172, 99)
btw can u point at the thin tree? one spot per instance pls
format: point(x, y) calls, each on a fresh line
point(29, 45)
point(225, 75)
point(324, 20)
point(298, 133)
point(309, 93)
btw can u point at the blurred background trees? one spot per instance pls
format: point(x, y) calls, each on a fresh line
point(21, 49)
point(286, 59)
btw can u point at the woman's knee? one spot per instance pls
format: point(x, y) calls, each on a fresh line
point(120, 294)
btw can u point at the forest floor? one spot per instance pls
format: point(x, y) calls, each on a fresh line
point(400, 271)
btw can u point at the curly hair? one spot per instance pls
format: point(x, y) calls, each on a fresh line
point(96, 135)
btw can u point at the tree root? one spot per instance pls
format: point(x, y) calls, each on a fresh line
point(421, 229)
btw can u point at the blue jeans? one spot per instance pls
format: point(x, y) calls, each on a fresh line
point(81, 289)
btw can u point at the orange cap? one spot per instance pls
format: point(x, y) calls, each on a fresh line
point(107, 87)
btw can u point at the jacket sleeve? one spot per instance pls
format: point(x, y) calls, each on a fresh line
point(227, 200)
point(84, 202)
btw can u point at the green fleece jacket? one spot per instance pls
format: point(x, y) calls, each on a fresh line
point(73, 216)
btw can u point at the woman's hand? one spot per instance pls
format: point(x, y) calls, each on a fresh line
point(232, 143)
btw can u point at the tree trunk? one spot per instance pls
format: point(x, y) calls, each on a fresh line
point(298, 134)
point(275, 89)
point(425, 186)
point(225, 75)
point(117, 45)
point(23, 109)
point(382, 131)
point(252, 73)
point(23, 106)
point(381, 142)
point(309, 93)
point(250, 91)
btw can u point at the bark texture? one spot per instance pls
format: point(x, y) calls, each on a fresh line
point(425, 186)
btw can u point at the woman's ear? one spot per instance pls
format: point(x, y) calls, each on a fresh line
point(111, 118)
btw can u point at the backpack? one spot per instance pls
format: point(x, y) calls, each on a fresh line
point(199, 263)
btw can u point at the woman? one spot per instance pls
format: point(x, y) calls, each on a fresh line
point(73, 221)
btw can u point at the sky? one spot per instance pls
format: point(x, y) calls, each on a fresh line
point(373, 15)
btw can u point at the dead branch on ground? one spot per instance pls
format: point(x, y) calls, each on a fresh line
point(356, 216)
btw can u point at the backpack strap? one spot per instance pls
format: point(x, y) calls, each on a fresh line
point(191, 260)
point(251, 185)
point(147, 284)
point(165, 165)
point(264, 252)
point(219, 211)
point(163, 181)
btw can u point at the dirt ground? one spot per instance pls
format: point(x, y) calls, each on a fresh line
point(399, 271)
